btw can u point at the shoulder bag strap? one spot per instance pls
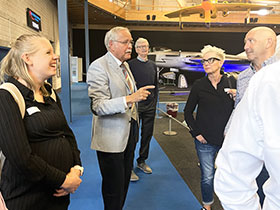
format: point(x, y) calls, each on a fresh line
point(14, 91)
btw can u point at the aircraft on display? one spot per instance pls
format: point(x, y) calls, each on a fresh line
point(208, 9)
point(190, 61)
point(177, 61)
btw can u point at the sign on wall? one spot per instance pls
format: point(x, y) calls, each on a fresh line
point(33, 20)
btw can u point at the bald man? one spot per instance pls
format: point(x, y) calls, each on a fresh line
point(259, 45)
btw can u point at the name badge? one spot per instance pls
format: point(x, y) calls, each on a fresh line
point(32, 110)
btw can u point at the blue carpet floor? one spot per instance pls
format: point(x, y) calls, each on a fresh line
point(162, 190)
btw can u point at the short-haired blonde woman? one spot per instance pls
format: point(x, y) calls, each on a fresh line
point(42, 163)
point(214, 106)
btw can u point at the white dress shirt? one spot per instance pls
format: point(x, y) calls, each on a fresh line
point(253, 139)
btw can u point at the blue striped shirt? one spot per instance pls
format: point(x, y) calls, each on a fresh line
point(245, 76)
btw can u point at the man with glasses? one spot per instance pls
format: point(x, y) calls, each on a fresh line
point(145, 73)
point(114, 98)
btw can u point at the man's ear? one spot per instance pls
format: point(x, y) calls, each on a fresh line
point(25, 57)
point(269, 43)
point(111, 44)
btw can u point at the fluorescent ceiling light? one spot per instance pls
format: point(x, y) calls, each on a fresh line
point(260, 12)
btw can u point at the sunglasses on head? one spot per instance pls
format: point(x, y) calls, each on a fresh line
point(209, 60)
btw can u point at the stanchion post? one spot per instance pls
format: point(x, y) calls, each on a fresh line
point(169, 132)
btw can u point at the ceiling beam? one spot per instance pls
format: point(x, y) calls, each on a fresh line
point(135, 19)
point(141, 15)
point(237, 17)
point(109, 7)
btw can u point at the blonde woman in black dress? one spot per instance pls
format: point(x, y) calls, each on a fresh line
point(42, 163)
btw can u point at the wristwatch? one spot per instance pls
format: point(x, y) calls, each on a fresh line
point(79, 168)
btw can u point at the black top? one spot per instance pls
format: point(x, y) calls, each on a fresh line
point(214, 107)
point(145, 73)
point(40, 150)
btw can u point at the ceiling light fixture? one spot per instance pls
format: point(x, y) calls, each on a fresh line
point(260, 12)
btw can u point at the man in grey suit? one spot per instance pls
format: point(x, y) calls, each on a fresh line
point(114, 97)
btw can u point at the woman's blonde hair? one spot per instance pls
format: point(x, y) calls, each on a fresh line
point(14, 66)
point(219, 52)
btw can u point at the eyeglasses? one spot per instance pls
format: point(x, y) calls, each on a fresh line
point(127, 42)
point(143, 46)
point(209, 60)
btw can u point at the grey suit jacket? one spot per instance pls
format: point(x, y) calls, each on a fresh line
point(107, 89)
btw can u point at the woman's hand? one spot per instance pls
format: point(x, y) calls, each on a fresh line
point(76, 171)
point(60, 192)
point(201, 139)
point(70, 184)
point(72, 181)
point(232, 93)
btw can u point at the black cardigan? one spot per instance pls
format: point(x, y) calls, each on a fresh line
point(214, 107)
point(145, 73)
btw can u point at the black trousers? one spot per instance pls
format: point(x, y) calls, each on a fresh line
point(116, 170)
point(147, 118)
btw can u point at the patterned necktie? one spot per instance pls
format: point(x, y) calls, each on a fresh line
point(127, 78)
point(134, 113)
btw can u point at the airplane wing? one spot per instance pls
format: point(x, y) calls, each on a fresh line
point(241, 7)
point(186, 11)
point(218, 7)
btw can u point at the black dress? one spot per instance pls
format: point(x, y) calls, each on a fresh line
point(40, 150)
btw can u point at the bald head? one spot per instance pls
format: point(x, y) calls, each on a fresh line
point(260, 44)
point(265, 33)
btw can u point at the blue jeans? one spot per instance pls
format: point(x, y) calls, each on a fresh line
point(206, 154)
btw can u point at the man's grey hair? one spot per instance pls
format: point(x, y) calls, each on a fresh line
point(140, 40)
point(113, 34)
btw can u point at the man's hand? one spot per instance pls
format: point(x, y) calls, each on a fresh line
point(139, 95)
